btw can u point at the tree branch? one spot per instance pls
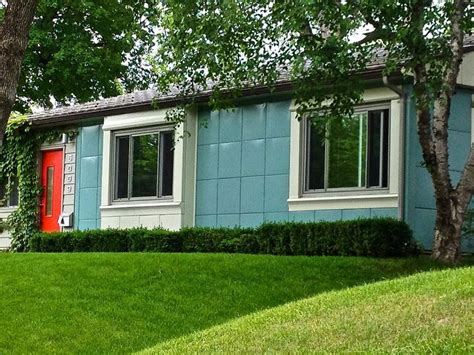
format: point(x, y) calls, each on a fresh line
point(466, 183)
point(442, 104)
point(374, 35)
point(457, 46)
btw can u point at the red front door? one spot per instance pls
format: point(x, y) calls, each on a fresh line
point(51, 181)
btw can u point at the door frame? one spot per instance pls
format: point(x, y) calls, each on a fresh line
point(46, 148)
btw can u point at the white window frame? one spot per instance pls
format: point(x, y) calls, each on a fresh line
point(114, 180)
point(171, 213)
point(299, 200)
point(350, 190)
point(472, 120)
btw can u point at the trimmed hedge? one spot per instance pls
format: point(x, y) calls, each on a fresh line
point(382, 237)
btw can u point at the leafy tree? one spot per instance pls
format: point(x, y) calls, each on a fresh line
point(78, 50)
point(81, 50)
point(236, 44)
point(16, 21)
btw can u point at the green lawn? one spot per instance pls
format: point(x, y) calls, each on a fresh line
point(130, 302)
point(425, 313)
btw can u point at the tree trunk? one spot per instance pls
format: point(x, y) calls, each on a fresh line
point(13, 42)
point(450, 214)
point(432, 122)
point(448, 230)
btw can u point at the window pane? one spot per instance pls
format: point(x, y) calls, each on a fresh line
point(14, 193)
point(122, 167)
point(385, 149)
point(347, 152)
point(378, 148)
point(145, 165)
point(12, 199)
point(167, 157)
point(2, 195)
point(49, 190)
point(315, 160)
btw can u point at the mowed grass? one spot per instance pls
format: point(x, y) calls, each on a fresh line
point(425, 313)
point(129, 302)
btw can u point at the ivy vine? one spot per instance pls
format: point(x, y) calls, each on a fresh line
point(3, 226)
point(19, 158)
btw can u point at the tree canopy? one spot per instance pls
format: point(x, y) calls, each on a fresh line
point(318, 46)
point(80, 50)
point(235, 44)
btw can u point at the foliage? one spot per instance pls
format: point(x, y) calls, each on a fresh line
point(383, 237)
point(428, 312)
point(3, 226)
point(83, 50)
point(19, 158)
point(122, 303)
point(312, 43)
point(468, 227)
point(318, 47)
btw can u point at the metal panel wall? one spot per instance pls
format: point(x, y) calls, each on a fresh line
point(420, 212)
point(88, 177)
point(243, 169)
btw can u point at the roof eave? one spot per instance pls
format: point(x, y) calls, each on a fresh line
point(371, 75)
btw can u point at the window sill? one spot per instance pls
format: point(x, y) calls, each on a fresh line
point(343, 202)
point(141, 204)
point(7, 209)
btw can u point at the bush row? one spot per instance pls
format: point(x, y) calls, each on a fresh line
point(382, 237)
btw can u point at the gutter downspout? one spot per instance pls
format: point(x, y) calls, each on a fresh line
point(401, 168)
point(392, 87)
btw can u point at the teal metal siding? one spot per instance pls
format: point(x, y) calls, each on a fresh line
point(243, 169)
point(420, 212)
point(88, 177)
point(243, 159)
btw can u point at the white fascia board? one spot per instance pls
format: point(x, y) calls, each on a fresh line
point(466, 70)
point(472, 119)
point(135, 120)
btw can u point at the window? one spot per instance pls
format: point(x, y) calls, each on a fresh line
point(144, 165)
point(349, 153)
point(49, 191)
point(10, 200)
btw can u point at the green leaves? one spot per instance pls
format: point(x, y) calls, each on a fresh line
point(19, 158)
point(3, 226)
point(383, 237)
point(78, 50)
point(230, 45)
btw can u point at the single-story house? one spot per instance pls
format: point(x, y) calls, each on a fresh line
point(246, 166)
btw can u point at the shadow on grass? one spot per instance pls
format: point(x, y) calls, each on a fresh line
point(426, 312)
point(129, 302)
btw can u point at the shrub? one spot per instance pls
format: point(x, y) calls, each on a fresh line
point(214, 240)
point(382, 237)
point(367, 237)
